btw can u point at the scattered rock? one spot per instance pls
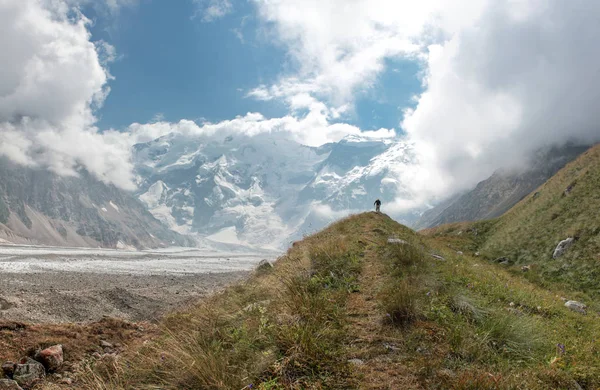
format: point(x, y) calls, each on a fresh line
point(562, 247)
point(9, 384)
point(477, 254)
point(105, 344)
point(4, 304)
point(459, 253)
point(576, 306)
point(502, 260)
point(390, 347)
point(51, 358)
point(28, 372)
point(438, 257)
point(505, 262)
point(526, 268)
point(9, 369)
point(356, 362)
point(396, 241)
point(264, 265)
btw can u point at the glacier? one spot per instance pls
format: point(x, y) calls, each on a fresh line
point(266, 190)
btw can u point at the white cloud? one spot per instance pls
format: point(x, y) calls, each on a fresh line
point(51, 77)
point(313, 129)
point(502, 78)
point(211, 10)
point(340, 46)
point(522, 76)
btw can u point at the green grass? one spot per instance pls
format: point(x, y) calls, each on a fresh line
point(529, 233)
point(462, 323)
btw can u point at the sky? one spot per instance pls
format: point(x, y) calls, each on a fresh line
point(474, 84)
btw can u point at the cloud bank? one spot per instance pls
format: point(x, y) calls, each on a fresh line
point(502, 78)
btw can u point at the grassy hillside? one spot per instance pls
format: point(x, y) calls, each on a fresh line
point(347, 309)
point(567, 205)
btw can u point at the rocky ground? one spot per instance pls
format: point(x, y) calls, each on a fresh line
point(50, 285)
point(55, 297)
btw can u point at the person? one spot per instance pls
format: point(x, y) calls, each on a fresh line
point(377, 205)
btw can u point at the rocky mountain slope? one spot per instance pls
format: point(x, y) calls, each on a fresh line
point(38, 207)
point(497, 194)
point(265, 190)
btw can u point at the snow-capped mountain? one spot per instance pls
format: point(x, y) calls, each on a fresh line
point(265, 190)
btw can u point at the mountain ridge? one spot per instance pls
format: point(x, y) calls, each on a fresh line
point(40, 207)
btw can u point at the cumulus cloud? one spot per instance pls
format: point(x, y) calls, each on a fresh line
point(501, 78)
point(313, 129)
point(52, 77)
point(211, 10)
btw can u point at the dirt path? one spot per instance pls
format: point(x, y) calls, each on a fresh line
point(380, 364)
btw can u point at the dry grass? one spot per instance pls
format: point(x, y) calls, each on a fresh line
point(458, 324)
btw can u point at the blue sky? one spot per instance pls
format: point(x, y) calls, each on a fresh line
point(174, 66)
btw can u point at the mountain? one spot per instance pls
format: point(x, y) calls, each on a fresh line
point(564, 209)
point(265, 190)
point(39, 207)
point(505, 188)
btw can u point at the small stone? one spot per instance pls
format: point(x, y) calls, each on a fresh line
point(576, 306)
point(28, 372)
point(562, 247)
point(438, 257)
point(512, 304)
point(9, 384)
point(9, 368)
point(459, 253)
point(105, 344)
point(396, 241)
point(96, 355)
point(51, 358)
point(477, 254)
point(356, 362)
point(526, 268)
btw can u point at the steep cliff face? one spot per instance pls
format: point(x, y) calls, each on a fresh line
point(39, 207)
point(494, 196)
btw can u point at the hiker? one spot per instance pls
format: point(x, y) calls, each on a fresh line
point(377, 205)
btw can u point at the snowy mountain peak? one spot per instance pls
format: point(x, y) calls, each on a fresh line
point(265, 190)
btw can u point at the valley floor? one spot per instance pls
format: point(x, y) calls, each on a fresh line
point(56, 285)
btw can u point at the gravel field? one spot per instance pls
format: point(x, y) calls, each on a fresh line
point(53, 285)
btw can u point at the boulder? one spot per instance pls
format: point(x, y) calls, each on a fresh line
point(51, 357)
point(562, 247)
point(9, 369)
point(576, 306)
point(28, 372)
point(9, 384)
